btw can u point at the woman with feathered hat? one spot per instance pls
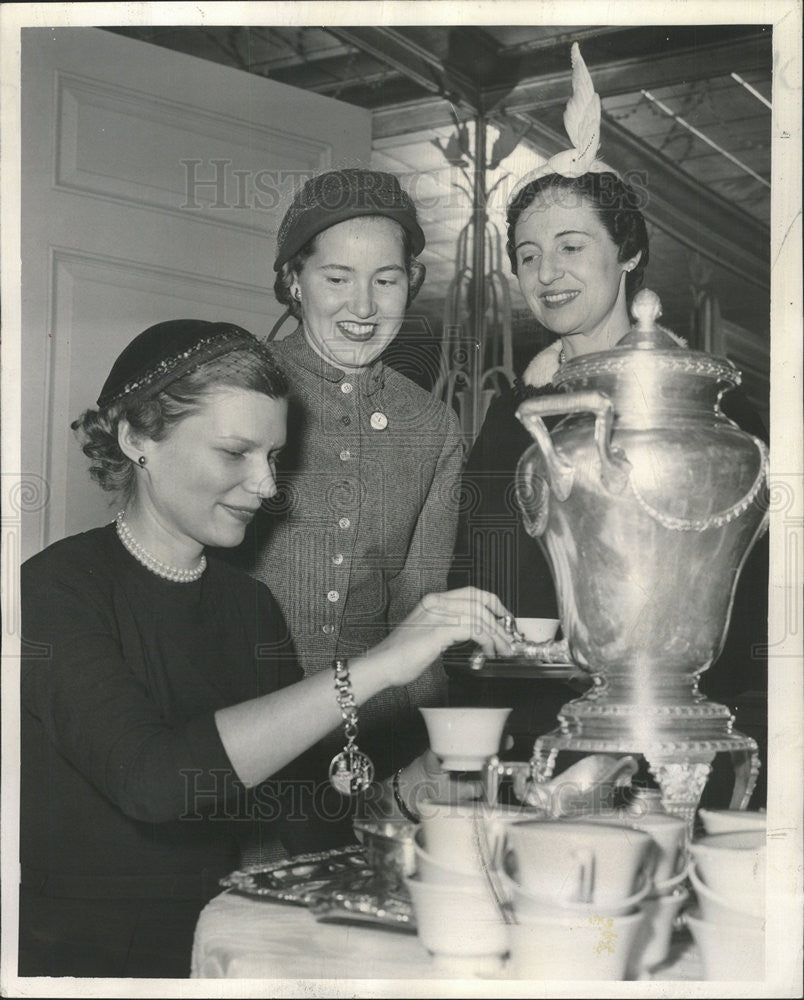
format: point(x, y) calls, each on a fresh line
point(578, 244)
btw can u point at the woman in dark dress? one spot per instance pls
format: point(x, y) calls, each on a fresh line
point(159, 690)
point(578, 244)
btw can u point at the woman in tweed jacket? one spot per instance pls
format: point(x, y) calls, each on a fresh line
point(366, 515)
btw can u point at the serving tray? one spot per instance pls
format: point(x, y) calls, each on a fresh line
point(336, 886)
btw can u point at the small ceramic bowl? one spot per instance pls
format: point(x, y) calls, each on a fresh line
point(670, 885)
point(578, 861)
point(653, 944)
point(743, 912)
point(435, 871)
point(669, 833)
point(732, 864)
point(728, 951)
point(467, 834)
point(389, 847)
point(538, 629)
point(458, 923)
point(589, 947)
point(526, 904)
point(732, 820)
point(465, 738)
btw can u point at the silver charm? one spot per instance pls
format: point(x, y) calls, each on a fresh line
point(351, 771)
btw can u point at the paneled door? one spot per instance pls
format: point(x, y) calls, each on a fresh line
point(153, 185)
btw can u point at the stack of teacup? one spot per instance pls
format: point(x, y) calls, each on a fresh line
point(460, 918)
point(461, 912)
point(668, 893)
point(577, 892)
point(728, 876)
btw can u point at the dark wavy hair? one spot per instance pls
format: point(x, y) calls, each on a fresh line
point(294, 266)
point(252, 368)
point(616, 204)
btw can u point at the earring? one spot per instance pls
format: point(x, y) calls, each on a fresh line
point(297, 295)
point(141, 461)
point(630, 267)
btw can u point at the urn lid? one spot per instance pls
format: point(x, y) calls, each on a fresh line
point(648, 344)
point(646, 333)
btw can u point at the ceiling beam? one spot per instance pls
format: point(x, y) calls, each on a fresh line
point(413, 116)
point(302, 51)
point(390, 46)
point(561, 37)
point(624, 76)
point(616, 77)
point(689, 211)
point(327, 75)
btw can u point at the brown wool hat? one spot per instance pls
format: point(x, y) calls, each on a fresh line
point(334, 197)
point(165, 352)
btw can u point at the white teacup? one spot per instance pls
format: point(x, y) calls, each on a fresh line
point(744, 911)
point(527, 905)
point(653, 943)
point(671, 884)
point(733, 864)
point(732, 820)
point(455, 923)
point(538, 629)
point(728, 951)
point(466, 835)
point(440, 872)
point(587, 947)
point(465, 738)
point(669, 833)
point(577, 861)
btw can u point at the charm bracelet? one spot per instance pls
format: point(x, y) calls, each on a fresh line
point(350, 771)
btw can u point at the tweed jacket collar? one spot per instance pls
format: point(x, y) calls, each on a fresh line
point(296, 348)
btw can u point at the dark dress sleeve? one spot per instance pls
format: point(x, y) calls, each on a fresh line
point(742, 666)
point(96, 711)
point(493, 551)
point(737, 407)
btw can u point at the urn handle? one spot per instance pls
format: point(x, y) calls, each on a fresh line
point(614, 466)
point(532, 492)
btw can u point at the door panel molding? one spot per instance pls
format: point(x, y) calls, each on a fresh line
point(250, 169)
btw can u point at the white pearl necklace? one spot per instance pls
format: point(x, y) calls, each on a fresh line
point(173, 573)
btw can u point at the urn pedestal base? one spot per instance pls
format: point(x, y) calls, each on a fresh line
point(679, 743)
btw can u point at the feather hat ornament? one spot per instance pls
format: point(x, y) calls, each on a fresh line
point(582, 123)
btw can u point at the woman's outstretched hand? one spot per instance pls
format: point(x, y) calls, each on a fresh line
point(440, 620)
point(264, 734)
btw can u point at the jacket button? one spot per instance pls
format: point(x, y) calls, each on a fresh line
point(345, 455)
point(344, 523)
point(333, 596)
point(327, 629)
point(346, 388)
point(337, 559)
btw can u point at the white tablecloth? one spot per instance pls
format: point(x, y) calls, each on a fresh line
point(242, 938)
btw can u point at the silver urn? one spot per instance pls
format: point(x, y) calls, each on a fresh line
point(646, 500)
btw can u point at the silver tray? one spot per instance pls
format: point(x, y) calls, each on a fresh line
point(526, 669)
point(336, 886)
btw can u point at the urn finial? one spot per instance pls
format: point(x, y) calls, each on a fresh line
point(646, 309)
point(646, 334)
